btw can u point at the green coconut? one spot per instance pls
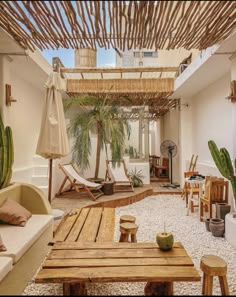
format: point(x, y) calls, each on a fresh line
point(165, 240)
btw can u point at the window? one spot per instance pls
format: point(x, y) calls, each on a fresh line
point(150, 54)
point(136, 54)
point(140, 63)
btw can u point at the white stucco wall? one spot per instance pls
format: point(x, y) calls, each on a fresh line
point(208, 116)
point(171, 132)
point(163, 58)
point(212, 119)
point(155, 138)
point(23, 116)
point(25, 119)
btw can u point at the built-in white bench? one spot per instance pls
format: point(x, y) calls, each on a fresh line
point(26, 246)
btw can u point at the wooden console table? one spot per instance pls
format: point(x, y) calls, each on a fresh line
point(76, 263)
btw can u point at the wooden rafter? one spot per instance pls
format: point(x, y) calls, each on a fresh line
point(118, 24)
point(119, 70)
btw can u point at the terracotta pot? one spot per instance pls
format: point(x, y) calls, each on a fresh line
point(217, 227)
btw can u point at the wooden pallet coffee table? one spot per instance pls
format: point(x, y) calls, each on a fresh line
point(76, 263)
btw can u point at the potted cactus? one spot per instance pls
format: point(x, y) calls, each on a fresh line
point(6, 155)
point(227, 168)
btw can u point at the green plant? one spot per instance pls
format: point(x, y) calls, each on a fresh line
point(6, 155)
point(136, 177)
point(224, 163)
point(99, 116)
point(132, 152)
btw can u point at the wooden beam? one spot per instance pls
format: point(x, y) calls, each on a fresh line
point(118, 70)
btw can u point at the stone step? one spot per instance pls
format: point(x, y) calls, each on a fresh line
point(38, 160)
point(40, 180)
point(44, 189)
point(41, 170)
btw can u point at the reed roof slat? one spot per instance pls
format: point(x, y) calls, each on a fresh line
point(118, 24)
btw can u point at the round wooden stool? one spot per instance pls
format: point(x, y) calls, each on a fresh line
point(127, 219)
point(127, 229)
point(214, 266)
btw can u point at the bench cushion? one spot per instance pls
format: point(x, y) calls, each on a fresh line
point(13, 213)
point(5, 266)
point(19, 239)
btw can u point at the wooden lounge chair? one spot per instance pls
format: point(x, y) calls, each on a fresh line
point(119, 176)
point(78, 183)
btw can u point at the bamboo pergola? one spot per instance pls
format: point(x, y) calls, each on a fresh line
point(118, 24)
point(121, 25)
point(138, 91)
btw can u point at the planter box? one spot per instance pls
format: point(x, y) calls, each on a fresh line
point(230, 229)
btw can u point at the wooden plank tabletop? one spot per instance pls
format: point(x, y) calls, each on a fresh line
point(86, 224)
point(116, 262)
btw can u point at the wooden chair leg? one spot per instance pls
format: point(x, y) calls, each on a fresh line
point(201, 210)
point(224, 285)
point(62, 186)
point(210, 210)
point(133, 238)
point(208, 285)
point(186, 198)
point(192, 207)
point(204, 284)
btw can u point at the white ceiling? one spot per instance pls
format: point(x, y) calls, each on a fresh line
point(196, 77)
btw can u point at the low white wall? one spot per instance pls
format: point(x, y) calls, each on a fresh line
point(144, 169)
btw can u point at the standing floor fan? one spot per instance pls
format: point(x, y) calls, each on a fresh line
point(169, 150)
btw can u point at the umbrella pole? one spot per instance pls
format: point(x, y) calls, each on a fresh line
point(50, 181)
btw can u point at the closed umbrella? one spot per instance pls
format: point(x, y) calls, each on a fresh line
point(53, 139)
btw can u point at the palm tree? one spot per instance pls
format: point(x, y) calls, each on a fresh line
point(105, 119)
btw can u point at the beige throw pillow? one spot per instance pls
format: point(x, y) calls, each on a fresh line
point(2, 245)
point(13, 213)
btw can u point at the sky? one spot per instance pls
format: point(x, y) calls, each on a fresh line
point(105, 58)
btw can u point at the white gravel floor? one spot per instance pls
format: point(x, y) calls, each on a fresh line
point(150, 214)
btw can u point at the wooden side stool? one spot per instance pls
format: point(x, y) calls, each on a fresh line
point(214, 266)
point(127, 229)
point(127, 219)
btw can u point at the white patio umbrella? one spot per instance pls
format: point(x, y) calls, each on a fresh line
point(53, 140)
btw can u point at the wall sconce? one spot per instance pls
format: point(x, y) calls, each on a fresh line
point(232, 95)
point(183, 106)
point(9, 98)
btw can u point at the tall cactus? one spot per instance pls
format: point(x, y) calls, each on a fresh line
point(224, 163)
point(6, 155)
